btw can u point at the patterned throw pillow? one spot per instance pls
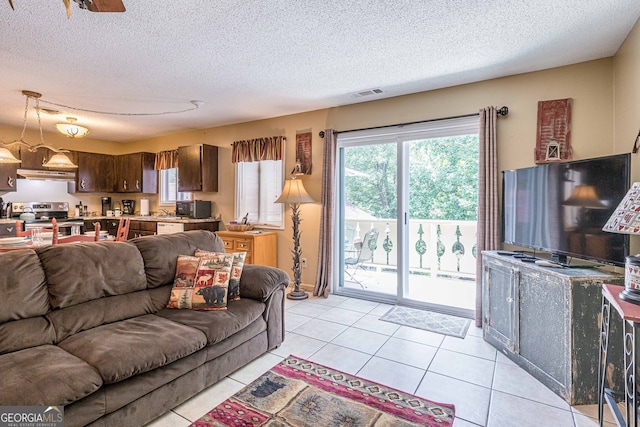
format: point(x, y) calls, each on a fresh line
point(201, 283)
point(236, 271)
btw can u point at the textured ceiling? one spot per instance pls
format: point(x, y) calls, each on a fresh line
point(254, 59)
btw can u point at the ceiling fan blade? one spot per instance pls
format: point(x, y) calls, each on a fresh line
point(106, 6)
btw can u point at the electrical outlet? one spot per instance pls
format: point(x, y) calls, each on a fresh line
point(303, 262)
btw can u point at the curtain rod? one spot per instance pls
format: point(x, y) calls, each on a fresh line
point(500, 112)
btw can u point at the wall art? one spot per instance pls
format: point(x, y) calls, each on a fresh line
point(553, 142)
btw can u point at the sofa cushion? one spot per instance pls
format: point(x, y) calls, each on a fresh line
point(83, 272)
point(160, 253)
point(25, 333)
point(123, 349)
point(45, 375)
point(23, 289)
point(71, 320)
point(221, 324)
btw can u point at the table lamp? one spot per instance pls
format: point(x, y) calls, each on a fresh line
point(626, 220)
point(294, 193)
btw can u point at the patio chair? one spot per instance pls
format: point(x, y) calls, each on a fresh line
point(365, 250)
point(349, 236)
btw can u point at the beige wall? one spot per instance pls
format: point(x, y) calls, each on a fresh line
point(590, 85)
point(598, 88)
point(626, 106)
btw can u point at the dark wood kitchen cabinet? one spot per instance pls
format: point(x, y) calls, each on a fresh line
point(198, 168)
point(8, 229)
point(8, 173)
point(36, 160)
point(141, 228)
point(135, 173)
point(546, 320)
point(96, 173)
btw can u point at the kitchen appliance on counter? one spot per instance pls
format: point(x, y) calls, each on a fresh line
point(144, 206)
point(194, 209)
point(128, 207)
point(43, 212)
point(106, 205)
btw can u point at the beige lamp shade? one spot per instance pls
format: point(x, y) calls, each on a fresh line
point(59, 160)
point(584, 196)
point(7, 157)
point(294, 192)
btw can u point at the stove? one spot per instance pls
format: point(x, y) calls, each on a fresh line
point(44, 212)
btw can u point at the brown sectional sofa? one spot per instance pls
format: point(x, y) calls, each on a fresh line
point(84, 326)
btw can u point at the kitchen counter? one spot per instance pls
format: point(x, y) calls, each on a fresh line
point(150, 219)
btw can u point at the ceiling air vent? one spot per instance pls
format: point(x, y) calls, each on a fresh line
point(367, 92)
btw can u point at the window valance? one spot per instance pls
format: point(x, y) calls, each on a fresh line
point(254, 150)
point(166, 160)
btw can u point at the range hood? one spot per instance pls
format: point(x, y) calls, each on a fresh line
point(46, 175)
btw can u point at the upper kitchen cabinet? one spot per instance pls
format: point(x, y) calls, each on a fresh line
point(198, 168)
point(34, 159)
point(135, 173)
point(96, 173)
point(8, 174)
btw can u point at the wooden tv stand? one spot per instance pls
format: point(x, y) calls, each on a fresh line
point(547, 320)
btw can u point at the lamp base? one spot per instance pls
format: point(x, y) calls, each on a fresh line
point(631, 292)
point(297, 294)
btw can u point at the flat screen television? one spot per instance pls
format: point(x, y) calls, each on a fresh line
point(561, 208)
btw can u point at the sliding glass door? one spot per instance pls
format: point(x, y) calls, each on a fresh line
point(407, 200)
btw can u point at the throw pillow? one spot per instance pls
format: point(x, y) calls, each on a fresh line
point(236, 272)
point(212, 282)
point(184, 281)
point(201, 282)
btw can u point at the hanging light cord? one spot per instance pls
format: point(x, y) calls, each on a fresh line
point(196, 104)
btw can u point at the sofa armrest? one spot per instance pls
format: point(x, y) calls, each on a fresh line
point(259, 281)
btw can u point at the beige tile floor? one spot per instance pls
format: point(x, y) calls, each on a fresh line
point(345, 333)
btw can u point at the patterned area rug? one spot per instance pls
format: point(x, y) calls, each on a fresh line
point(300, 393)
point(428, 320)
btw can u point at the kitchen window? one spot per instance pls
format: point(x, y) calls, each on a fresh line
point(258, 185)
point(169, 187)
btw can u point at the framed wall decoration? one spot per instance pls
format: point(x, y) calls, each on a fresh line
point(553, 141)
point(303, 153)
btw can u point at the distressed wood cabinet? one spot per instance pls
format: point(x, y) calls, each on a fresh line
point(547, 320)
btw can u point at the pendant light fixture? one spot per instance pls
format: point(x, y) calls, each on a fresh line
point(71, 129)
point(58, 160)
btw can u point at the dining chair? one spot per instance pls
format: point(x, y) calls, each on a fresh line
point(123, 229)
point(79, 237)
point(28, 233)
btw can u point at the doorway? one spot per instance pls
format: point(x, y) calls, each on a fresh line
point(407, 212)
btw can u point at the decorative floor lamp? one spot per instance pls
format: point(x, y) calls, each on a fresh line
point(294, 194)
point(626, 220)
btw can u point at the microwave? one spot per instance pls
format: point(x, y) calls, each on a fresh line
point(194, 209)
